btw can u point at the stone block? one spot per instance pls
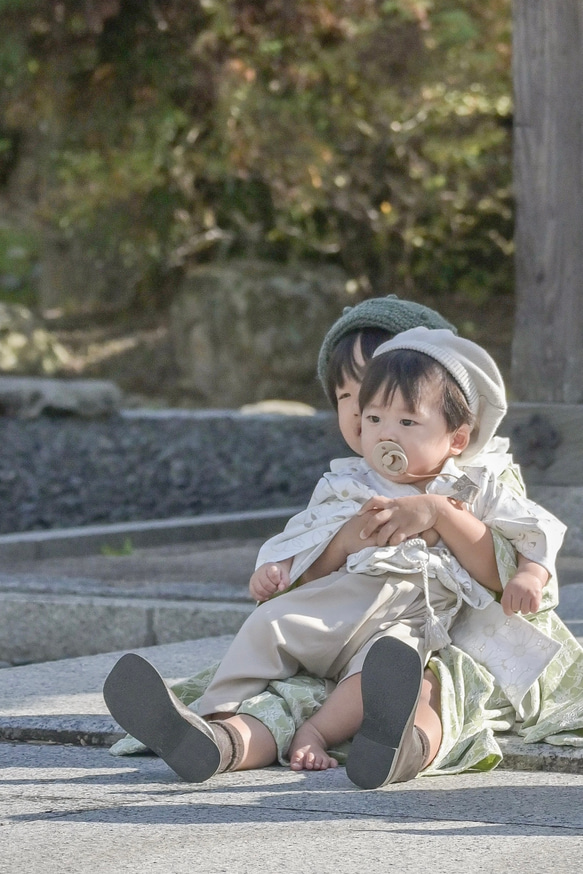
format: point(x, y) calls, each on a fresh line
point(250, 331)
point(45, 628)
point(29, 397)
point(174, 621)
point(566, 502)
point(39, 628)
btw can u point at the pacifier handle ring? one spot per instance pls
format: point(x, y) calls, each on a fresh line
point(389, 458)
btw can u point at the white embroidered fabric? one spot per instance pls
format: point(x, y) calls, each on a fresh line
point(514, 651)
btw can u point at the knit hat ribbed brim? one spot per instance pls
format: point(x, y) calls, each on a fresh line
point(390, 313)
point(474, 370)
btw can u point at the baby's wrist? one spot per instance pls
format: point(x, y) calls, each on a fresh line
point(532, 569)
point(440, 508)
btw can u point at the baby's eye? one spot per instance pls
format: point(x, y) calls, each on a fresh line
point(373, 419)
point(407, 422)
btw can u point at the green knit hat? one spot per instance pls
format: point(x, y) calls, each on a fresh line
point(390, 313)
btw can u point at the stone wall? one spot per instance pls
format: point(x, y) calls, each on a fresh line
point(250, 331)
point(64, 471)
point(61, 471)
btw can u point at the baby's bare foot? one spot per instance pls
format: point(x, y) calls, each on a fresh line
point(308, 751)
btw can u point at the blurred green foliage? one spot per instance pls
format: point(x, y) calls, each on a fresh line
point(18, 265)
point(371, 134)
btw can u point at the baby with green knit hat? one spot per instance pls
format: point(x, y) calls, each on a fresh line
point(375, 319)
point(347, 347)
point(358, 617)
point(278, 715)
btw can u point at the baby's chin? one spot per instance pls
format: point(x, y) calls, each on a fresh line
point(403, 479)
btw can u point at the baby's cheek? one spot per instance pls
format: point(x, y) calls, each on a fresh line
point(352, 438)
point(356, 446)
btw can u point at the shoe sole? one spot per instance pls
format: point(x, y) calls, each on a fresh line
point(141, 702)
point(391, 680)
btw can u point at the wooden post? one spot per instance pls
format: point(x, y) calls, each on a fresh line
point(547, 351)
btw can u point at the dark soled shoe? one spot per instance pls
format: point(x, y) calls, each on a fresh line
point(141, 702)
point(388, 748)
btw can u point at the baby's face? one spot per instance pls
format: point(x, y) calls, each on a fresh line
point(422, 433)
point(349, 418)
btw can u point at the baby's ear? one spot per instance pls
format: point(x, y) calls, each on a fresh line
point(460, 439)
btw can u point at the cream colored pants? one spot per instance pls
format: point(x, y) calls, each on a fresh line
point(325, 627)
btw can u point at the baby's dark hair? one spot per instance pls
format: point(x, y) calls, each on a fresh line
point(410, 371)
point(342, 363)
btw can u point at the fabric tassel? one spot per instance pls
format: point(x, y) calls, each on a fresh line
point(436, 636)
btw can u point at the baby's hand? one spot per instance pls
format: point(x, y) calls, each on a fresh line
point(390, 521)
point(350, 538)
point(523, 594)
point(268, 579)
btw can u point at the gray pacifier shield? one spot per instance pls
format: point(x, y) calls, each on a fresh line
point(389, 457)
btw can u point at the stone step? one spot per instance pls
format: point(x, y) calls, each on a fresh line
point(72, 593)
point(59, 627)
point(66, 594)
point(61, 702)
point(57, 608)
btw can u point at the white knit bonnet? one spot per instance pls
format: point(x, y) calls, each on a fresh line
point(473, 369)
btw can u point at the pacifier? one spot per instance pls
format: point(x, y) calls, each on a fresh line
point(389, 458)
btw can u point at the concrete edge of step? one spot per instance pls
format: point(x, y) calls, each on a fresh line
point(91, 539)
point(102, 731)
point(520, 756)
